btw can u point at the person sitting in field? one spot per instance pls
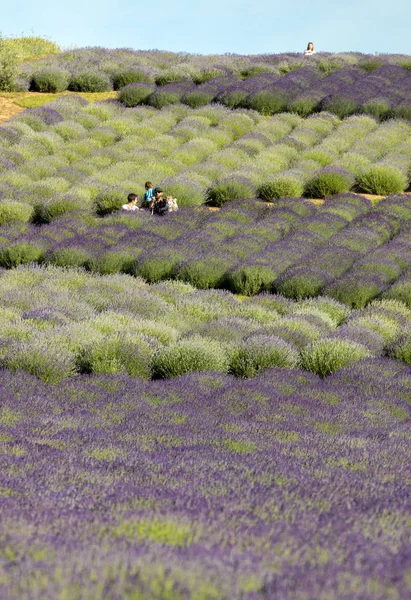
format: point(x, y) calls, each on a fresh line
point(131, 204)
point(148, 195)
point(310, 49)
point(159, 205)
point(172, 205)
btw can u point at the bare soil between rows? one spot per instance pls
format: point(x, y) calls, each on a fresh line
point(8, 109)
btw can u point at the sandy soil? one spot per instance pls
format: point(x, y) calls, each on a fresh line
point(8, 109)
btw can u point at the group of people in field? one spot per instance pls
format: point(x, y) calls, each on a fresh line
point(153, 201)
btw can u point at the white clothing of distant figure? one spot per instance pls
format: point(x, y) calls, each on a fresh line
point(131, 204)
point(129, 208)
point(310, 49)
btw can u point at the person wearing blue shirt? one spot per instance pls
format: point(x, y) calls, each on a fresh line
point(148, 195)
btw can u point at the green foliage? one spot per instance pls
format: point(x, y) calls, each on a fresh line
point(186, 356)
point(43, 358)
point(206, 75)
point(30, 47)
point(400, 291)
point(303, 106)
point(354, 293)
point(233, 98)
point(260, 352)
point(108, 201)
point(203, 273)
point(286, 67)
point(384, 325)
point(377, 108)
point(340, 105)
point(328, 183)
point(46, 211)
point(280, 187)
point(15, 211)
point(88, 81)
point(300, 285)
point(158, 530)
point(158, 267)
point(328, 65)
point(197, 99)
point(326, 356)
point(370, 65)
point(186, 194)
point(8, 65)
point(115, 261)
point(250, 280)
point(69, 257)
point(252, 70)
point(400, 348)
point(135, 94)
point(168, 77)
point(336, 310)
point(161, 98)
point(403, 111)
point(382, 180)
point(49, 81)
point(268, 102)
point(130, 355)
point(122, 78)
point(19, 254)
point(232, 189)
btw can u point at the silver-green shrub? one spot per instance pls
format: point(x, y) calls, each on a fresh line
point(260, 352)
point(328, 355)
point(382, 180)
point(189, 355)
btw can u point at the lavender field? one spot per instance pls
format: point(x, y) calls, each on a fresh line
point(213, 404)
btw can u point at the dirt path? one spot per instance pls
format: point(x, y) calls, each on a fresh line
point(8, 109)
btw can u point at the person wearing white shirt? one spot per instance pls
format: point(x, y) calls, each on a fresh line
point(131, 204)
point(310, 49)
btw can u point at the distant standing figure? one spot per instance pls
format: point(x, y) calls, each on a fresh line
point(131, 204)
point(310, 49)
point(148, 195)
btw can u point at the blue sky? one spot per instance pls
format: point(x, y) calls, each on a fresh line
point(216, 26)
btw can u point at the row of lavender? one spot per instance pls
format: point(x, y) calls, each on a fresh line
point(347, 82)
point(345, 248)
point(383, 93)
point(75, 155)
point(56, 323)
point(207, 487)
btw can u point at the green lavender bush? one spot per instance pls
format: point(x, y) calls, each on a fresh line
point(326, 356)
point(260, 352)
point(186, 356)
point(327, 183)
point(280, 187)
point(135, 93)
point(88, 81)
point(382, 180)
point(15, 211)
point(223, 192)
point(49, 81)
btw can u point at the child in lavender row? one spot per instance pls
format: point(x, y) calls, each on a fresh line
point(148, 195)
point(171, 203)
